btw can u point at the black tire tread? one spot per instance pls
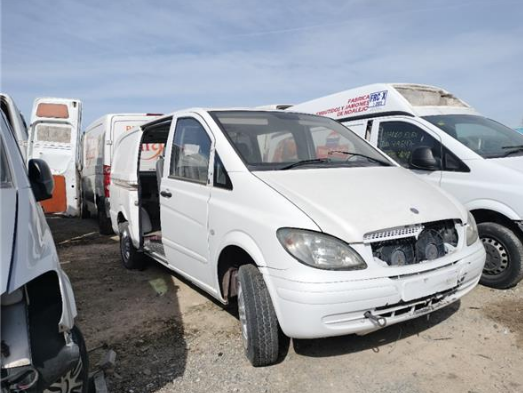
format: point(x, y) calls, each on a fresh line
point(263, 328)
point(136, 259)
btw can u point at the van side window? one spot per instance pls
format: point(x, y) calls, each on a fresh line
point(221, 178)
point(190, 151)
point(398, 139)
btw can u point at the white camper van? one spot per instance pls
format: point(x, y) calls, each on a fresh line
point(97, 155)
point(54, 136)
point(445, 141)
point(317, 238)
point(16, 122)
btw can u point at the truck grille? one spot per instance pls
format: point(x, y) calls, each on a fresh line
point(414, 244)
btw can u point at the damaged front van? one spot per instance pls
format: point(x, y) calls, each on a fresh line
point(41, 349)
point(312, 230)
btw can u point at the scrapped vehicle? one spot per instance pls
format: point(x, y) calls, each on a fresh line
point(42, 349)
point(54, 136)
point(97, 155)
point(310, 227)
point(445, 141)
point(16, 121)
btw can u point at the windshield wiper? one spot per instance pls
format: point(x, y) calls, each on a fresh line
point(305, 162)
point(516, 149)
point(349, 153)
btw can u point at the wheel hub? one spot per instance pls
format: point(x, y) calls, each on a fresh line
point(497, 256)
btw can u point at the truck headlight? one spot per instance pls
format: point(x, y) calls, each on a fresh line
point(472, 230)
point(319, 250)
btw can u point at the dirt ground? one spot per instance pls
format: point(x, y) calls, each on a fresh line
point(170, 337)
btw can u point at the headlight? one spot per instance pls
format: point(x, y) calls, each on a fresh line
point(319, 250)
point(472, 230)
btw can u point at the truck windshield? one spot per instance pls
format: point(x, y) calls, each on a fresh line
point(280, 141)
point(486, 137)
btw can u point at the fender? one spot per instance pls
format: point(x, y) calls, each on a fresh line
point(495, 206)
point(244, 241)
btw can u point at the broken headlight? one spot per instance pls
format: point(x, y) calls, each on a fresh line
point(319, 250)
point(472, 230)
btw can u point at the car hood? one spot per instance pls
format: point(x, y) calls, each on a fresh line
point(515, 162)
point(7, 229)
point(351, 202)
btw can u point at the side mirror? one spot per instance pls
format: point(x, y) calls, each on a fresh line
point(423, 158)
point(41, 179)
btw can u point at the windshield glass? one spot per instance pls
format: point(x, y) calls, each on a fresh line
point(486, 137)
point(276, 140)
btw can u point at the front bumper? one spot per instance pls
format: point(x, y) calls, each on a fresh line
point(314, 310)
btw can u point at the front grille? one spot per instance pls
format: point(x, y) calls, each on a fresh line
point(414, 244)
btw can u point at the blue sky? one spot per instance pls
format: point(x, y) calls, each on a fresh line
point(160, 56)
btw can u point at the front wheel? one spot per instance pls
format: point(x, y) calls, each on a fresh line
point(260, 329)
point(132, 259)
point(75, 380)
point(504, 265)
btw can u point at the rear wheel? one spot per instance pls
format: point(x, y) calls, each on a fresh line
point(75, 380)
point(504, 265)
point(131, 258)
point(259, 325)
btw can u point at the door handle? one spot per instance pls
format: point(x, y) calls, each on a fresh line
point(166, 194)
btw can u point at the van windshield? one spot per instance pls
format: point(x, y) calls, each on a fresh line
point(486, 137)
point(278, 140)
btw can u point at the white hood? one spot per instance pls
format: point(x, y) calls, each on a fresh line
point(514, 162)
point(350, 202)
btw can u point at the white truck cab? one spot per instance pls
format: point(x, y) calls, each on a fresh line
point(310, 227)
point(445, 141)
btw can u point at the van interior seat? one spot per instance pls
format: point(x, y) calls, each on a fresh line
point(245, 151)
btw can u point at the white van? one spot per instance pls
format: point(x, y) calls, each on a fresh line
point(445, 141)
point(16, 122)
point(42, 349)
point(97, 155)
point(54, 136)
point(316, 238)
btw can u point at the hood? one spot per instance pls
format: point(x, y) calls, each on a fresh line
point(351, 202)
point(514, 162)
point(7, 229)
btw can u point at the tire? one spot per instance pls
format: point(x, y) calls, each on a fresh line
point(504, 264)
point(75, 380)
point(132, 259)
point(104, 223)
point(260, 329)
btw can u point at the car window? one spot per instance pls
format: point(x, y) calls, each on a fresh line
point(5, 172)
point(267, 140)
point(221, 178)
point(190, 151)
point(398, 139)
point(484, 136)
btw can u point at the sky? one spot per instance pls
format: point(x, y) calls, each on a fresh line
point(160, 56)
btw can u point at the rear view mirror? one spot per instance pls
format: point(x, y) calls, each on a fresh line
point(41, 179)
point(423, 158)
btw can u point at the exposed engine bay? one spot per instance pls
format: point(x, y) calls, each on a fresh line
point(411, 245)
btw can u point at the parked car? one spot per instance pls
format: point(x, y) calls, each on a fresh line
point(16, 121)
point(312, 229)
point(54, 136)
point(97, 155)
point(445, 141)
point(42, 349)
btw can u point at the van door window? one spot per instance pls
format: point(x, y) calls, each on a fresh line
point(221, 178)
point(190, 151)
point(398, 139)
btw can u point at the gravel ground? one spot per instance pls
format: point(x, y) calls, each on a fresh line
point(170, 337)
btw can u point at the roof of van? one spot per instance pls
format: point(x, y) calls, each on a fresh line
point(111, 115)
point(386, 98)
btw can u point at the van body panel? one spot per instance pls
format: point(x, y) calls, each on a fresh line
point(54, 136)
